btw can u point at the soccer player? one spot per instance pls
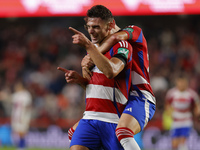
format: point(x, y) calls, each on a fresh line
point(21, 113)
point(107, 91)
point(183, 102)
point(141, 105)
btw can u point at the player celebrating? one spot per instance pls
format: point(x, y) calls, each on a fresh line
point(183, 101)
point(141, 105)
point(107, 91)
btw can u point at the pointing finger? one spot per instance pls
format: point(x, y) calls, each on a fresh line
point(74, 30)
point(63, 69)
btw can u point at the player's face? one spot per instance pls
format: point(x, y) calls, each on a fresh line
point(97, 29)
point(182, 84)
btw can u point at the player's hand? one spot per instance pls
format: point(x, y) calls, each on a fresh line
point(79, 38)
point(70, 75)
point(86, 73)
point(87, 62)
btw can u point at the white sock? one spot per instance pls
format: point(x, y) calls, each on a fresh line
point(182, 147)
point(125, 136)
point(129, 144)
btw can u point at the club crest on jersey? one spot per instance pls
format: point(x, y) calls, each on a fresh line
point(129, 29)
point(123, 51)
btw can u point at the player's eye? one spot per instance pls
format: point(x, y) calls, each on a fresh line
point(95, 27)
point(86, 27)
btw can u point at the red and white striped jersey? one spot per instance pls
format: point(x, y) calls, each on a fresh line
point(182, 104)
point(21, 111)
point(107, 98)
point(140, 68)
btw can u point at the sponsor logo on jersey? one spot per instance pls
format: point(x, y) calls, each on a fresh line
point(123, 51)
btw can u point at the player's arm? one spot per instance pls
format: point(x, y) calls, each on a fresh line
point(105, 46)
point(168, 103)
point(73, 77)
point(107, 43)
point(111, 40)
point(168, 108)
point(110, 67)
point(196, 109)
point(86, 65)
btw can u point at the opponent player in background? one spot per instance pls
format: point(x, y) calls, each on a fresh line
point(141, 105)
point(107, 91)
point(21, 113)
point(182, 102)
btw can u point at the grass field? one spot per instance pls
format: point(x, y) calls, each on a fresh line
point(13, 148)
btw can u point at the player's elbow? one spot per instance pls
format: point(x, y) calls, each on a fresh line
point(110, 75)
point(119, 36)
point(115, 38)
point(109, 72)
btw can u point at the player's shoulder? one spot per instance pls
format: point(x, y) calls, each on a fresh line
point(123, 44)
point(123, 47)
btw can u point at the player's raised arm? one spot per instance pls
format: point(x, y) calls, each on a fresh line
point(72, 76)
point(110, 68)
point(80, 39)
point(111, 40)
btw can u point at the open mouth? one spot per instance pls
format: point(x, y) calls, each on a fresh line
point(94, 38)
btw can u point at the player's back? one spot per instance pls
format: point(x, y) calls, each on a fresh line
point(140, 67)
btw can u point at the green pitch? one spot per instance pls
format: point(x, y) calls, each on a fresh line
point(13, 148)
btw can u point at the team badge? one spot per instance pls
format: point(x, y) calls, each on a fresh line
point(123, 51)
point(129, 29)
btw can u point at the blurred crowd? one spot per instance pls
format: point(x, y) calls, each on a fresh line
point(32, 48)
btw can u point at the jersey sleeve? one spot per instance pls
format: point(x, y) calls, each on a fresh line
point(134, 33)
point(123, 51)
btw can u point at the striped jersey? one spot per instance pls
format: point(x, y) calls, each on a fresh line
point(21, 112)
point(107, 98)
point(140, 68)
point(182, 103)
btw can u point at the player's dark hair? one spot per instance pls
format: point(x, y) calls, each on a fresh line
point(100, 11)
point(182, 75)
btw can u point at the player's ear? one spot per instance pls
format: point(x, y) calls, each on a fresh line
point(111, 25)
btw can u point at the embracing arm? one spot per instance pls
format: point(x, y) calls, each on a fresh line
point(110, 67)
point(111, 40)
point(107, 43)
